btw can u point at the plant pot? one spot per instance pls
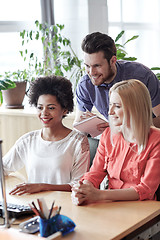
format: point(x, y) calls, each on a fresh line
point(14, 97)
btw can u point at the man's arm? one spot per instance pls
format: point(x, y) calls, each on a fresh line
point(156, 120)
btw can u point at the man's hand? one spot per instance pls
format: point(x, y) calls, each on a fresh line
point(86, 115)
point(82, 115)
point(102, 126)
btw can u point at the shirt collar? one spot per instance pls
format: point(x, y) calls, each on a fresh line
point(107, 86)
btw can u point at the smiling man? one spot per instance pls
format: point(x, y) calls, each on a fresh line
point(103, 71)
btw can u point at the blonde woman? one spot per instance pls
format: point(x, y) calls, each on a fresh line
point(128, 152)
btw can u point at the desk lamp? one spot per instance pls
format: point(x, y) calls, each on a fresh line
point(4, 201)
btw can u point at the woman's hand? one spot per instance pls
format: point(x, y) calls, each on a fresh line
point(24, 188)
point(84, 193)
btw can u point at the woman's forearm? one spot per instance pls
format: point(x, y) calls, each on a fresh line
point(38, 187)
point(119, 194)
point(55, 187)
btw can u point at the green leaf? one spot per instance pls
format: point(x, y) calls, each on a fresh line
point(155, 68)
point(132, 38)
point(21, 52)
point(119, 45)
point(30, 35)
point(40, 27)
point(55, 29)
point(31, 55)
point(130, 58)
point(37, 35)
point(43, 39)
point(158, 76)
point(60, 40)
point(1, 97)
point(119, 36)
point(6, 84)
point(22, 33)
point(61, 27)
point(37, 23)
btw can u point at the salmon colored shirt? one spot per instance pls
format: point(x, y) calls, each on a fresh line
point(125, 167)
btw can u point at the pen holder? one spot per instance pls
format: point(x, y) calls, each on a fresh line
point(58, 223)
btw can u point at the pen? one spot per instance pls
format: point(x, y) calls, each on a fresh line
point(34, 210)
point(59, 209)
point(40, 207)
point(86, 109)
point(54, 211)
point(51, 210)
point(44, 208)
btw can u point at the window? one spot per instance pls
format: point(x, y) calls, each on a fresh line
point(137, 18)
point(14, 17)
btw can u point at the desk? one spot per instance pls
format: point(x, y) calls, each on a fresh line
point(99, 221)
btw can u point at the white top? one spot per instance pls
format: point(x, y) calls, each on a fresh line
point(58, 162)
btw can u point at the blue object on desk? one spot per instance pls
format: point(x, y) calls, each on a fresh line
point(58, 223)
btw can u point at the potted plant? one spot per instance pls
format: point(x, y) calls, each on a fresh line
point(121, 53)
point(58, 58)
point(13, 88)
point(5, 84)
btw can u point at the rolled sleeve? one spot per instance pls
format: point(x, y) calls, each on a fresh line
point(150, 180)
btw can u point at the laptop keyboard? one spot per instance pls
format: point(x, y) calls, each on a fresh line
point(16, 210)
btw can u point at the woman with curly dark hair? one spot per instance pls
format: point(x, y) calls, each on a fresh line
point(55, 156)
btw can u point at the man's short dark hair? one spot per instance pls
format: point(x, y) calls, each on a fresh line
point(96, 42)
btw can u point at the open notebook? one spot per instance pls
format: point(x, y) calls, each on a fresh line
point(89, 125)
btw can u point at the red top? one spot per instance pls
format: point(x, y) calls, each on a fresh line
point(125, 167)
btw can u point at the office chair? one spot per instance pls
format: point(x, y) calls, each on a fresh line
point(93, 144)
point(158, 193)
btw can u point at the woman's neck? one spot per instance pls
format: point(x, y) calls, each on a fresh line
point(129, 136)
point(49, 134)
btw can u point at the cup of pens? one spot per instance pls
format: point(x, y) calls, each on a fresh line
point(51, 221)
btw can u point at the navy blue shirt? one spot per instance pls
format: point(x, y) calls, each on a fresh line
point(89, 95)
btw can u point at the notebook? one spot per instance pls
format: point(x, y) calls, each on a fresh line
point(89, 125)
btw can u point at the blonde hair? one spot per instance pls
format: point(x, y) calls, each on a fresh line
point(137, 108)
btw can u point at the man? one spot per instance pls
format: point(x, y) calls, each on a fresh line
point(103, 70)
